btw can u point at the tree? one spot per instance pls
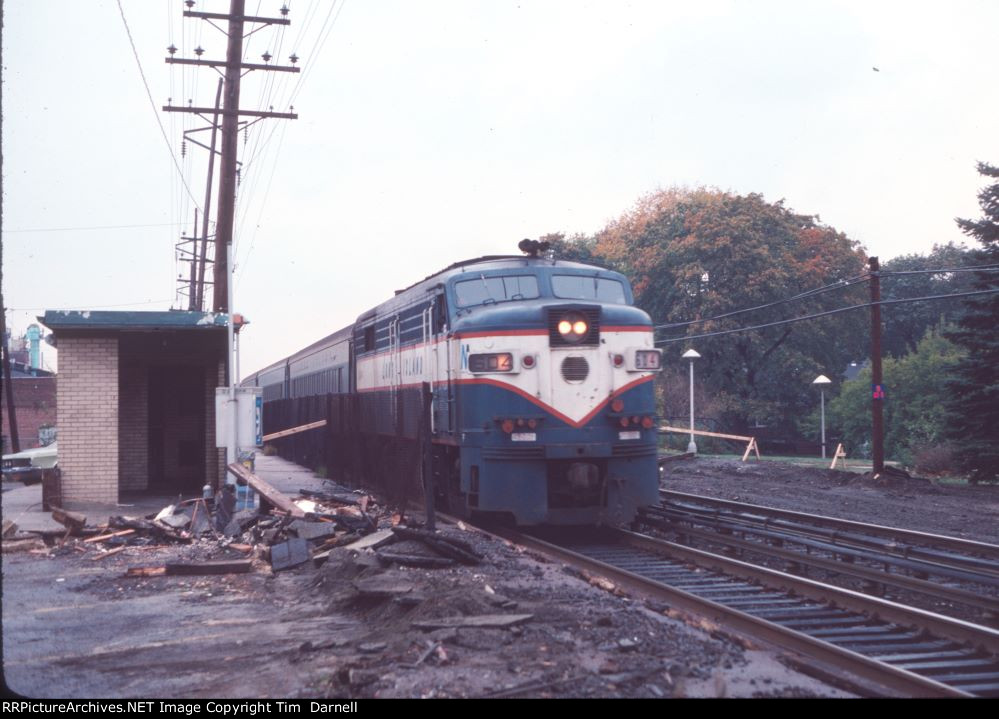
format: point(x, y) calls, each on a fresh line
point(973, 403)
point(694, 254)
point(906, 324)
point(915, 418)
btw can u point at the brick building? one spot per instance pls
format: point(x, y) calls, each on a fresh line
point(34, 403)
point(136, 402)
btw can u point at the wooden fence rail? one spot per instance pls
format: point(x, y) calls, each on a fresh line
point(751, 445)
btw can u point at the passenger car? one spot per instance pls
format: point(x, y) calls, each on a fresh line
point(27, 466)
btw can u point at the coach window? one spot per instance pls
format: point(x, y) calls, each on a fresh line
point(369, 338)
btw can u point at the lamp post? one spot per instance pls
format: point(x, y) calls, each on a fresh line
point(691, 355)
point(822, 381)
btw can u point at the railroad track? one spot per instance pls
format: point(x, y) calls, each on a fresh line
point(943, 570)
point(905, 650)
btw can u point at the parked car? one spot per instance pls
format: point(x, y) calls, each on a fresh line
point(27, 466)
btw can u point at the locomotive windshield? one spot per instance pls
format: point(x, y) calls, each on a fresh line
point(584, 287)
point(485, 290)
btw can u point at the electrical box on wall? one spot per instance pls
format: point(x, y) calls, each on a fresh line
point(249, 411)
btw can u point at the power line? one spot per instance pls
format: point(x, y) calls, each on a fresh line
point(944, 270)
point(824, 314)
point(152, 104)
point(77, 308)
point(839, 284)
point(93, 227)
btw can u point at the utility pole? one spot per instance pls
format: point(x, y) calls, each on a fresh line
point(208, 200)
point(227, 170)
point(231, 114)
point(877, 387)
point(8, 389)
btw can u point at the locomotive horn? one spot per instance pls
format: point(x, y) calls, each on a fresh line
point(531, 248)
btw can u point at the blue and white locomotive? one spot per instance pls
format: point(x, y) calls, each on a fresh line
point(542, 373)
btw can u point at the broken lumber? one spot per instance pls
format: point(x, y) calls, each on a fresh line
point(265, 490)
point(72, 521)
point(145, 571)
point(22, 545)
point(231, 566)
point(337, 497)
point(481, 621)
point(108, 553)
point(294, 430)
point(105, 537)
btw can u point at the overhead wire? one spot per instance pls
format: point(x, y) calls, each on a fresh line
point(718, 333)
point(93, 227)
point(942, 270)
point(838, 285)
point(322, 36)
point(152, 103)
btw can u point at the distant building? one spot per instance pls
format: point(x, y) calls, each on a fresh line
point(853, 370)
point(34, 392)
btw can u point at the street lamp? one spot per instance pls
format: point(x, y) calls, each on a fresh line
point(691, 355)
point(822, 381)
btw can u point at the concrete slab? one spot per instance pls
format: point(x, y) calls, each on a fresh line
point(23, 505)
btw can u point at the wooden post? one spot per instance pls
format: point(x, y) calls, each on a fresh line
point(840, 453)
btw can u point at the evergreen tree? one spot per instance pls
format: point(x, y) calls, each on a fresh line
point(973, 405)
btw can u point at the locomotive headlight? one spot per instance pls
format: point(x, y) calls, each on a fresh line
point(573, 327)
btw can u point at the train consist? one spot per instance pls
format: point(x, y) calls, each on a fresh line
point(542, 374)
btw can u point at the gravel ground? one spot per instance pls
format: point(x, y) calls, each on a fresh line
point(77, 627)
point(958, 510)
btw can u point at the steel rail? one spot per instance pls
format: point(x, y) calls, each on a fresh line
point(901, 681)
point(951, 628)
point(851, 548)
point(968, 546)
point(989, 606)
point(918, 560)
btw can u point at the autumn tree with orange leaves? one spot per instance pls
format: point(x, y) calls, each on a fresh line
point(695, 254)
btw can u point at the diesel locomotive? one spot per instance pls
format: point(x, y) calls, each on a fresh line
point(542, 375)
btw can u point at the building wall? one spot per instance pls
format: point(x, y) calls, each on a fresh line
point(87, 396)
point(134, 417)
point(35, 404)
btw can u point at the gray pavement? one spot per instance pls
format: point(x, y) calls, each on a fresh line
point(23, 504)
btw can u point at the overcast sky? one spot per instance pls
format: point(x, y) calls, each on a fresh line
point(437, 131)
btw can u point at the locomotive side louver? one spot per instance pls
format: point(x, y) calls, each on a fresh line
point(589, 315)
point(575, 369)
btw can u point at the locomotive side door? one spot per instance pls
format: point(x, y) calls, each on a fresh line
point(440, 368)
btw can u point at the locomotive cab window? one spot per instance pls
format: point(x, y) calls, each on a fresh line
point(583, 287)
point(488, 290)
